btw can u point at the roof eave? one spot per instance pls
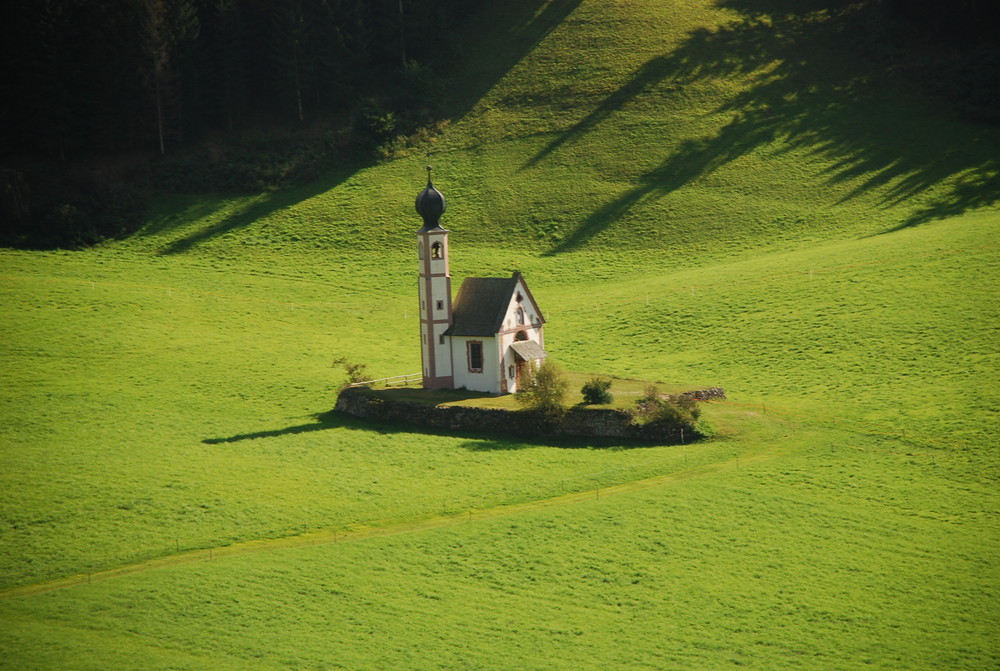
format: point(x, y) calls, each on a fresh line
point(518, 277)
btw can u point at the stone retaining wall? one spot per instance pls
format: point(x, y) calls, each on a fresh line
point(589, 422)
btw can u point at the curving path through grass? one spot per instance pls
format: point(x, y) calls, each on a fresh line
point(392, 527)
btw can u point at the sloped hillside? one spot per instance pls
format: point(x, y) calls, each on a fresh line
point(703, 129)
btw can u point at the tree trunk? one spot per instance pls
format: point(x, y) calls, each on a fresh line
point(158, 94)
point(402, 34)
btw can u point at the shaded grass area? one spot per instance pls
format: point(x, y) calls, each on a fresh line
point(709, 130)
point(799, 94)
point(243, 212)
point(496, 38)
point(323, 422)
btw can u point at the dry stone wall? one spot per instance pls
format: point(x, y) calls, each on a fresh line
point(587, 422)
point(710, 394)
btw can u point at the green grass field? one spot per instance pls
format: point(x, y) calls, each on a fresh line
point(718, 194)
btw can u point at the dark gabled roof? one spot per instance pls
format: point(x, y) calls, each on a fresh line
point(482, 304)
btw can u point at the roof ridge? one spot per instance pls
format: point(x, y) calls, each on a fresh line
point(482, 303)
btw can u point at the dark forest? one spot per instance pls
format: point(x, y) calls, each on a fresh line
point(103, 100)
point(131, 74)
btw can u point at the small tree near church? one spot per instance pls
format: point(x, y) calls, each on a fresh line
point(543, 390)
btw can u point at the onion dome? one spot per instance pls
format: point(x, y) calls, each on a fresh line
point(430, 205)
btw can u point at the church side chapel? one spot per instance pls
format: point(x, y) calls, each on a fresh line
point(486, 337)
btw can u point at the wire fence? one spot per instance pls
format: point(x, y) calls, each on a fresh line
point(394, 381)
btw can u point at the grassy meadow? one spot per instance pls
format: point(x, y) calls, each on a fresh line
point(699, 193)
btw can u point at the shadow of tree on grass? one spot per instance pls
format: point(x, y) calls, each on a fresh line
point(257, 209)
point(809, 93)
point(647, 77)
point(505, 30)
point(499, 38)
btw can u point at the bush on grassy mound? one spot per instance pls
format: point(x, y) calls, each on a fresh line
point(595, 391)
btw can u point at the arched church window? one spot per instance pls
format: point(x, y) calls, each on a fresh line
point(436, 250)
point(519, 316)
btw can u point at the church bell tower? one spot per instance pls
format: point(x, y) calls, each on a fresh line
point(435, 290)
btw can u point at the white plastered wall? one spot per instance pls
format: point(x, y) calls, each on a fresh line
point(442, 351)
point(487, 381)
point(434, 287)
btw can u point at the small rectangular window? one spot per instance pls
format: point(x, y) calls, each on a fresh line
point(475, 356)
point(441, 339)
point(440, 305)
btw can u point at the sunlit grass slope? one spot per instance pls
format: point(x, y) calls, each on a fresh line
point(161, 407)
point(156, 407)
point(843, 555)
point(699, 193)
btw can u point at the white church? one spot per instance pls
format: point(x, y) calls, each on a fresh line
point(482, 340)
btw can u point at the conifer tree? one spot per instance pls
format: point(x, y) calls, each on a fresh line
point(168, 27)
point(293, 54)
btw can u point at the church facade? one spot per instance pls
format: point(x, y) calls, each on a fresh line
point(484, 339)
